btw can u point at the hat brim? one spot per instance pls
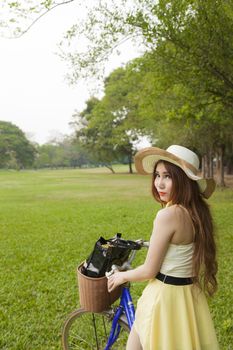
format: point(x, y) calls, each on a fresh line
point(146, 159)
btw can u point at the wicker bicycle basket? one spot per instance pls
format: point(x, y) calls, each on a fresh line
point(93, 292)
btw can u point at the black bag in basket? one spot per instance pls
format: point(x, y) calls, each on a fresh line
point(107, 252)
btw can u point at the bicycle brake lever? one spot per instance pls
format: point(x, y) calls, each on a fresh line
point(108, 274)
point(111, 272)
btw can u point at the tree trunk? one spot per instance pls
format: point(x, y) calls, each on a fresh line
point(205, 165)
point(217, 164)
point(211, 170)
point(229, 166)
point(220, 166)
point(110, 168)
point(130, 163)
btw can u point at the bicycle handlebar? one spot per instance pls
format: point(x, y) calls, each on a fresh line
point(143, 244)
point(127, 264)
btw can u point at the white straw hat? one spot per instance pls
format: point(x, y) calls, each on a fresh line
point(184, 158)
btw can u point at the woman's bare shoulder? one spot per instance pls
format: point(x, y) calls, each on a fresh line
point(170, 210)
point(172, 214)
point(167, 213)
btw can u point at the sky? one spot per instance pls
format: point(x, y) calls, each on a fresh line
point(34, 94)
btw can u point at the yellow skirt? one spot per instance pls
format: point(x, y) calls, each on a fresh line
point(174, 318)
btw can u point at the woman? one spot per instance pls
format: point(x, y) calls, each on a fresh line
point(172, 313)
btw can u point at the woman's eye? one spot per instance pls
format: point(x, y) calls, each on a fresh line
point(167, 176)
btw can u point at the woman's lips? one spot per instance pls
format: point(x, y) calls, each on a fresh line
point(162, 193)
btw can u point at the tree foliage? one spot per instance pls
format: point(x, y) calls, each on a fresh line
point(65, 153)
point(17, 17)
point(109, 127)
point(15, 150)
point(180, 90)
point(199, 34)
point(189, 68)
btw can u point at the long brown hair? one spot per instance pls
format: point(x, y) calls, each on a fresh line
point(186, 193)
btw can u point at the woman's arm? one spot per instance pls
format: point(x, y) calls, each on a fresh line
point(162, 233)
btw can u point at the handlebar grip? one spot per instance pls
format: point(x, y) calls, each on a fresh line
point(143, 243)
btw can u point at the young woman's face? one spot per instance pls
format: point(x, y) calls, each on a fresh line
point(163, 182)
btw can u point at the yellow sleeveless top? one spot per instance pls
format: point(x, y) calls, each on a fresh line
point(178, 260)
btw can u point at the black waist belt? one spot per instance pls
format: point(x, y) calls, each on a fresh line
point(177, 281)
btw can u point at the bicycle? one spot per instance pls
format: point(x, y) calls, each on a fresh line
point(87, 330)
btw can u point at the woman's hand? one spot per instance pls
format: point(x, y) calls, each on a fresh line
point(116, 279)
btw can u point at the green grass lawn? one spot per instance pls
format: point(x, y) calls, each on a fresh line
point(49, 221)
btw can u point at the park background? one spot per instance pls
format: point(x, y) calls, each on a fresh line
point(59, 197)
point(50, 220)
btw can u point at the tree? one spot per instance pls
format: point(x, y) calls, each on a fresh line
point(109, 127)
point(73, 152)
point(181, 114)
point(15, 150)
point(17, 17)
point(199, 34)
point(189, 65)
point(94, 133)
point(65, 153)
point(122, 112)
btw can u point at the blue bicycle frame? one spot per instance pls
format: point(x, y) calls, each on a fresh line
point(126, 306)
